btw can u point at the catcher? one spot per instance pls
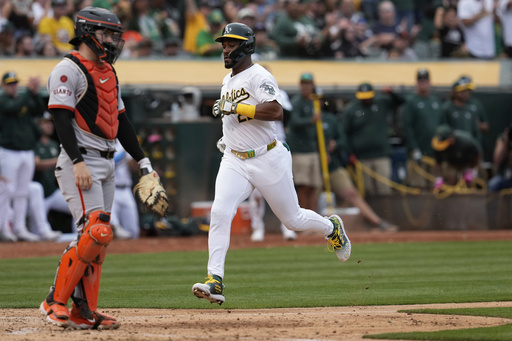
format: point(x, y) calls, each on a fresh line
point(89, 114)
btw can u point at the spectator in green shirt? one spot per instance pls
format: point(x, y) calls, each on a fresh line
point(340, 181)
point(420, 118)
point(461, 113)
point(303, 141)
point(366, 126)
point(476, 105)
point(296, 33)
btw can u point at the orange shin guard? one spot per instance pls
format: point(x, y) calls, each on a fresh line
point(97, 234)
point(91, 281)
point(71, 269)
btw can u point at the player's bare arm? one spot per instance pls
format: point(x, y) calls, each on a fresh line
point(270, 111)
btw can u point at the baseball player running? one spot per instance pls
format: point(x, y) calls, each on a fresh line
point(254, 158)
point(85, 100)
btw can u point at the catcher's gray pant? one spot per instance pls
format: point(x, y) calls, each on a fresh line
point(271, 174)
point(101, 194)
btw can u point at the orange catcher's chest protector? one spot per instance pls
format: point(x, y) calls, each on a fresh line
point(99, 117)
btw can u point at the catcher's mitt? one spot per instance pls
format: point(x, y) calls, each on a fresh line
point(151, 193)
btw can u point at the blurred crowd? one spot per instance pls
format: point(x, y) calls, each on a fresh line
point(313, 29)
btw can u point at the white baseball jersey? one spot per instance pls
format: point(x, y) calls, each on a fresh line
point(252, 86)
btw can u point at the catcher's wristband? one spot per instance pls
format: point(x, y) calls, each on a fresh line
point(145, 163)
point(246, 110)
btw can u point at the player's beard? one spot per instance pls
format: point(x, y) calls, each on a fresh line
point(230, 64)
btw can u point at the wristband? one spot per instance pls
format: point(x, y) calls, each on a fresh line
point(145, 163)
point(246, 110)
point(78, 159)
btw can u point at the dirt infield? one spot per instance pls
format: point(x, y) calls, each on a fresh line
point(332, 323)
point(338, 323)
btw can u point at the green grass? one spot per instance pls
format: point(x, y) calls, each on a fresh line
point(376, 274)
point(499, 333)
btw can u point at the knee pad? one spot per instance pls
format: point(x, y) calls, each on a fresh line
point(91, 246)
point(96, 236)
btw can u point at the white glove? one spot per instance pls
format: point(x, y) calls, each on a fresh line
point(224, 107)
point(221, 146)
point(215, 109)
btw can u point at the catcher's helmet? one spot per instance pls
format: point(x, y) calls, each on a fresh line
point(240, 32)
point(91, 19)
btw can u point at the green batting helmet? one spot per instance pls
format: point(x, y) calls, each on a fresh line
point(241, 32)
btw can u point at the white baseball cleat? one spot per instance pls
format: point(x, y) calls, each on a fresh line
point(50, 235)
point(121, 233)
point(211, 290)
point(258, 235)
point(7, 236)
point(27, 236)
point(288, 234)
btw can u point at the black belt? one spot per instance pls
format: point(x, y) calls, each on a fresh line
point(107, 154)
point(122, 186)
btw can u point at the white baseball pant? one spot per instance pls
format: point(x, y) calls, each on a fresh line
point(125, 211)
point(271, 174)
point(18, 167)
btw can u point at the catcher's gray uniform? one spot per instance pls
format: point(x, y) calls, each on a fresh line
point(89, 115)
point(66, 86)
